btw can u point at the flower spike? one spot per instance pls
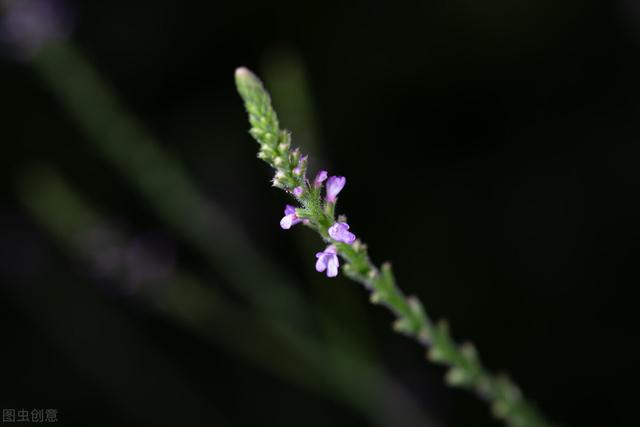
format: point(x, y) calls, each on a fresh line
point(464, 366)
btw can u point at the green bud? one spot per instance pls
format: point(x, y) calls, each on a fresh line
point(469, 352)
point(247, 82)
point(436, 355)
point(500, 409)
point(269, 138)
point(416, 307)
point(257, 133)
point(376, 297)
point(403, 326)
point(295, 156)
point(258, 104)
point(456, 377)
point(284, 146)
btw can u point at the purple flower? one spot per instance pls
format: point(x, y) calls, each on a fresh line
point(320, 178)
point(297, 191)
point(301, 163)
point(328, 260)
point(340, 232)
point(335, 184)
point(290, 218)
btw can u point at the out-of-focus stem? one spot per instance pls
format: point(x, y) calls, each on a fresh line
point(266, 341)
point(164, 183)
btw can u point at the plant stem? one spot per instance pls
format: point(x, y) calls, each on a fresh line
point(464, 367)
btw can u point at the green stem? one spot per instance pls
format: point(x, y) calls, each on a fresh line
point(464, 367)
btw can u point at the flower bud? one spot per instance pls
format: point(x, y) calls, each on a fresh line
point(284, 146)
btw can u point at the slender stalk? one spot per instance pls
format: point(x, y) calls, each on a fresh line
point(464, 367)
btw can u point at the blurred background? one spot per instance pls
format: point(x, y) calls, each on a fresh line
point(491, 153)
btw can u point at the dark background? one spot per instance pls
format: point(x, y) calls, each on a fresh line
point(491, 152)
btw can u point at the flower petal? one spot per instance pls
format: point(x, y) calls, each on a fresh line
point(287, 221)
point(348, 237)
point(320, 263)
point(320, 178)
point(335, 184)
point(332, 266)
point(334, 231)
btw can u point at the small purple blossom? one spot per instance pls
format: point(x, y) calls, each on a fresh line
point(340, 232)
point(335, 184)
point(301, 163)
point(297, 191)
point(290, 218)
point(320, 178)
point(328, 260)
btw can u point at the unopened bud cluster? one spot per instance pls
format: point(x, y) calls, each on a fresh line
point(275, 144)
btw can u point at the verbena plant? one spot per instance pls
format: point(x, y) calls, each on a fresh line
point(317, 211)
